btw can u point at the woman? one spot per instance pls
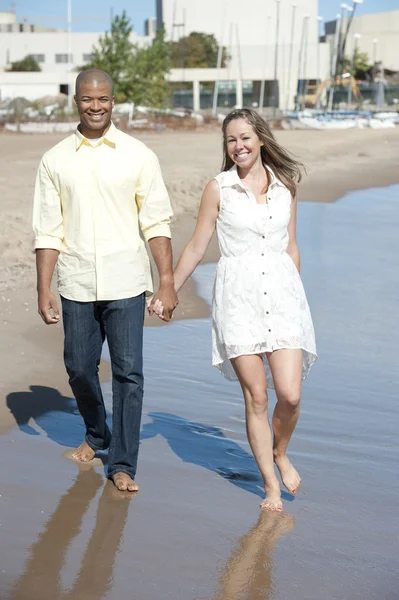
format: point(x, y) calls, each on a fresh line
point(262, 328)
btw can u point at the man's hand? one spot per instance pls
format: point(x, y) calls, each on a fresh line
point(48, 307)
point(167, 298)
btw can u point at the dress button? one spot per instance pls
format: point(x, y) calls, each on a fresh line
point(262, 254)
point(267, 312)
point(263, 237)
point(269, 330)
point(263, 272)
point(270, 217)
point(265, 293)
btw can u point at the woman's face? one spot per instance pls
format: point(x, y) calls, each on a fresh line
point(242, 143)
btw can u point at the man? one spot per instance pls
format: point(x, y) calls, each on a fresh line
point(98, 193)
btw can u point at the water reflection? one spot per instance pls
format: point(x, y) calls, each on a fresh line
point(248, 574)
point(41, 579)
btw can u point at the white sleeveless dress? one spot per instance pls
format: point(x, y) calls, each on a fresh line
point(259, 304)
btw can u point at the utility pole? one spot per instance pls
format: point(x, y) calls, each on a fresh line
point(305, 65)
point(299, 84)
point(69, 46)
point(289, 75)
point(375, 42)
point(334, 63)
point(218, 67)
point(318, 74)
point(275, 103)
point(262, 83)
point(352, 67)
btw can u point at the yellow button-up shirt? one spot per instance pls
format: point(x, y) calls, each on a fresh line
point(96, 205)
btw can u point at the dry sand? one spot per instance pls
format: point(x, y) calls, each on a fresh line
point(31, 353)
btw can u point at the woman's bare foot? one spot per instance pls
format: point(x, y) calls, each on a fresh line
point(289, 476)
point(84, 453)
point(124, 483)
point(273, 499)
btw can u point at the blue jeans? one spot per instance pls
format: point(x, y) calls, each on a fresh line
point(86, 325)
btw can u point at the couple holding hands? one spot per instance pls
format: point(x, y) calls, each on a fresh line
point(98, 193)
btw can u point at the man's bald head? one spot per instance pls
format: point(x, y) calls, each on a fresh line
point(93, 77)
point(94, 100)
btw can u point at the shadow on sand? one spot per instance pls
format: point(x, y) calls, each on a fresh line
point(55, 414)
point(202, 445)
point(207, 447)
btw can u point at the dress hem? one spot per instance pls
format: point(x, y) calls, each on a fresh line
point(230, 374)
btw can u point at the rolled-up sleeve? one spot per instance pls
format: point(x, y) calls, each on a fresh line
point(152, 199)
point(48, 226)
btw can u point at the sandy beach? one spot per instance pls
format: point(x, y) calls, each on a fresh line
point(201, 536)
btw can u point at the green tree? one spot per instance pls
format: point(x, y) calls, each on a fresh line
point(362, 65)
point(26, 64)
point(197, 51)
point(151, 64)
point(114, 54)
point(138, 73)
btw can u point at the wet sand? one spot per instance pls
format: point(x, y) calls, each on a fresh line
point(194, 531)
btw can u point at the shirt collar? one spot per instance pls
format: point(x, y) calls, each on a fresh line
point(109, 138)
point(231, 177)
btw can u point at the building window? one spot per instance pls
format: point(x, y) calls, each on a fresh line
point(87, 58)
point(39, 58)
point(62, 58)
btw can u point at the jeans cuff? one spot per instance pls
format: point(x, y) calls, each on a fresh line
point(110, 474)
point(94, 446)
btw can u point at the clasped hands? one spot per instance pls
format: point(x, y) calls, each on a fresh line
point(163, 303)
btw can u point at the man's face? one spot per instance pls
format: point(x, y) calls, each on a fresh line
point(94, 102)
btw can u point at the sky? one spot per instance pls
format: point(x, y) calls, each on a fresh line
point(46, 12)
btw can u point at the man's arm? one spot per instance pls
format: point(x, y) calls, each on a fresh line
point(161, 250)
point(155, 212)
point(47, 304)
point(49, 233)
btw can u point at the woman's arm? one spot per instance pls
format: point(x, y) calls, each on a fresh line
point(292, 248)
point(194, 252)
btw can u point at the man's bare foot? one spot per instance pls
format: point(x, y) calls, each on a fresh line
point(124, 483)
point(273, 499)
point(289, 475)
point(84, 453)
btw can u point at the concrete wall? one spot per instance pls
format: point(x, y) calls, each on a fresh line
point(382, 27)
point(15, 46)
point(32, 85)
point(249, 32)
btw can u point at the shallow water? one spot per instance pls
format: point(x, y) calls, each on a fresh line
point(194, 531)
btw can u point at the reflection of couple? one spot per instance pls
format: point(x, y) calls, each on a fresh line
point(95, 191)
point(249, 569)
point(41, 578)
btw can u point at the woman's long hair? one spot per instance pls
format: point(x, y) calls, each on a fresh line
point(286, 169)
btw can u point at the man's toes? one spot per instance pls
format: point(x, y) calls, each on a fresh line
point(133, 487)
point(120, 484)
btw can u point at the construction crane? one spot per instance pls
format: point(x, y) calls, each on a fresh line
point(311, 99)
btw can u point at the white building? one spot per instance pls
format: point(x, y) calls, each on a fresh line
point(376, 33)
point(276, 41)
point(49, 47)
point(273, 47)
